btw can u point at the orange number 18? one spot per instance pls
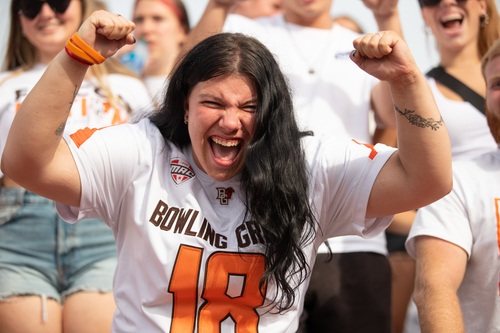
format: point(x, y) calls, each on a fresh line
point(219, 303)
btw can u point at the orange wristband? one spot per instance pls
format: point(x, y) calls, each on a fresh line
point(77, 53)
point(81, 44)
point(68, 52)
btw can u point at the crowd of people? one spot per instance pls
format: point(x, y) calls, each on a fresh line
point(270, 168)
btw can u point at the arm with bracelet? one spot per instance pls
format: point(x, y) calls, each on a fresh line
point(82, 52)
point(46, 164)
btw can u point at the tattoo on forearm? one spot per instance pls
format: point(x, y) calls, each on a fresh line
point(417, 120)
point(62, 126)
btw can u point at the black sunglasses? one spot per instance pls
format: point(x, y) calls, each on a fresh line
point(433, 3)
point(31, 8)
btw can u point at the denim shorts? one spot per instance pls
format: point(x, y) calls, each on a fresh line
point(40, 254)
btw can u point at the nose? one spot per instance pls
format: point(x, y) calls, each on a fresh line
point(46, 11)
point(449, 2)
point(145, 27)
point(230, 119)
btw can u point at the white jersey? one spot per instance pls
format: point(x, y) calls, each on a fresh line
point(334, 100)
point(90, 108)
point(188, 259)
point(469, 218)
point(469, 133)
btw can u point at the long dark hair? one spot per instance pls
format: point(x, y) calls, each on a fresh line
point(274, 177)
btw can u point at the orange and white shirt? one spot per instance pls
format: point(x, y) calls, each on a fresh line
point(91, 107)
point(189, 259)
point(469, 217)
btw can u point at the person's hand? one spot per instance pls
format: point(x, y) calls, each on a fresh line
point(225, 3)
point(107, 32)
point(382, 8)
point(386, 56)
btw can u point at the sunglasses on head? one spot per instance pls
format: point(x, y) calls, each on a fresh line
point(433, 3)
point(31, 8)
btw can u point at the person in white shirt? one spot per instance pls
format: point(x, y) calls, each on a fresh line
point(161, 28)
point(56, 277)
point(218, 201)
point(455, 240)
point(332, 97)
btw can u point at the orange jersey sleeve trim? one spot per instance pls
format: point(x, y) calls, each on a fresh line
point(373, 152)
point(80, 136)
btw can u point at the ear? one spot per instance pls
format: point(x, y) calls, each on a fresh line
point(181, 35)
point(186, 112)
point(424, 18)
point(483, 6)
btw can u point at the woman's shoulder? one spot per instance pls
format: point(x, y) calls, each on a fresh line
point(141, 138)
point(330, 150)
point(145, 136)
point(315, 143)
point(21, 77)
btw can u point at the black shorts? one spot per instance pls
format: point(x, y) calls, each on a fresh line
point(349, 293)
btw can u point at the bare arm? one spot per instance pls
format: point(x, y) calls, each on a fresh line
point(35, 157)
point(211, 23)
point(420, 172)
point(386, 14)
point(440, 268)
point(385, 120)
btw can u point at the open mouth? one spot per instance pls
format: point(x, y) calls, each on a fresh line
point(452, 21)
point(225, 150)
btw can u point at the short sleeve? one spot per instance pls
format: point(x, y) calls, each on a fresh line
point(107, 161)
point(446, 219)
point(343, 175)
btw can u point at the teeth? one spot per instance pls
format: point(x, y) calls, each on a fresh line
point(452, 17)
point(225, 143)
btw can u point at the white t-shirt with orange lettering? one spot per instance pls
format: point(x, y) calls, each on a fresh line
point(188, 259)
point(91, 107)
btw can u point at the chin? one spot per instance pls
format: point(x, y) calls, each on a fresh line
point(221, 177)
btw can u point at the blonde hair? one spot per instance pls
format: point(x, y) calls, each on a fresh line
point(491, 54)
point(492, 118)
point(21, 55)
point(490, 28)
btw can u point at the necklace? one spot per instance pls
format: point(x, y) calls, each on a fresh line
point(310, 65)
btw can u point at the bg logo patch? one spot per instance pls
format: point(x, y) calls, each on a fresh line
point(224, 194)
point(181, 171)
